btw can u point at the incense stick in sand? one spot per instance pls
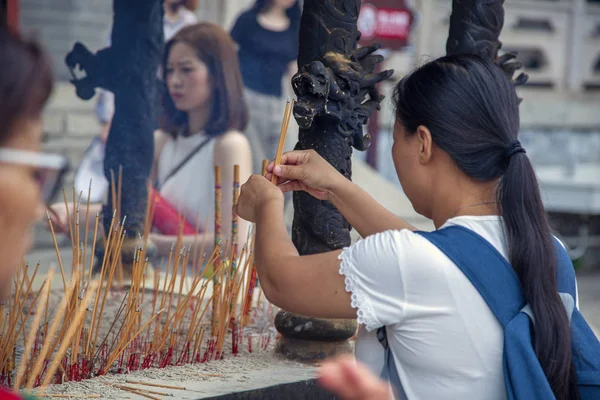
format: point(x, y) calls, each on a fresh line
point(284, 127)
point(34, 328)
point(235, 219)
point(216, 283)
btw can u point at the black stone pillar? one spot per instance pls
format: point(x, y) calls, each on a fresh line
point(336, 93)
point(128, 68)
point(475, 27)
point(3, 14)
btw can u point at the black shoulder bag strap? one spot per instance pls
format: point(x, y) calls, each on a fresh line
point(182, 163)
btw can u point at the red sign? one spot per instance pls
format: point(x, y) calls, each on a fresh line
point(385, 21)
point(12, 15)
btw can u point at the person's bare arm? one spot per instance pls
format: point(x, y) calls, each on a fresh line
point(292, 68)
point(58, 215)
point(307, 285)
point(363, 212)
point(160, 139)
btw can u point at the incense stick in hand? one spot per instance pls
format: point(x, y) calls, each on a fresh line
point(284, 127)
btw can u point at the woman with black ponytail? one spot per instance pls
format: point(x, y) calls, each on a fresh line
point(458, 157)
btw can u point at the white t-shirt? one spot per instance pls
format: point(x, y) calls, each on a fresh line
point(446, 342)
point(184, 18)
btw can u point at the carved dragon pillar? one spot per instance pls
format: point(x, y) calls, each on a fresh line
point(475, 27)
point(336, 93)
point(128, 68)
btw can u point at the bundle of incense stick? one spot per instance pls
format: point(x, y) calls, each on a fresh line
point(234, 217)
point(156, 324)
point(289, 107)
point(250, 284)
point(216, 282)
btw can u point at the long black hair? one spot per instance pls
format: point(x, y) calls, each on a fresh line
point(471, 109)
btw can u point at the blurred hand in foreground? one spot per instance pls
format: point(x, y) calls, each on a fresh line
point(350, 380)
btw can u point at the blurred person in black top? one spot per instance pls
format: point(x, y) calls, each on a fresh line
point(267, 36)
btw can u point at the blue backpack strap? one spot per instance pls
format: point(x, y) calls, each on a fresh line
point(389, 372)
point(483, 265)
point(495, 279)
point(486, 268)
point(474, 264)
point(585, 347)
point(498, 284)
point(565, 273)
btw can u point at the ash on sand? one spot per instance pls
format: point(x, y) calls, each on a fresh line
point(200, 380)
point(237, 367)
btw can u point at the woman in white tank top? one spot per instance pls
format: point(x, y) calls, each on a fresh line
point(202, 124)
point(204, 115)
point(459, 161)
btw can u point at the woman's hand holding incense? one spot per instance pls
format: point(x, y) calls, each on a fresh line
point(257, 195)
point(306, 285)
point(306, 170)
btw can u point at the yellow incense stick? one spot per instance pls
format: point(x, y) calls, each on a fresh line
point(282, 134)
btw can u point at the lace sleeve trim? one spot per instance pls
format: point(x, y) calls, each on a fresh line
point(365, 313)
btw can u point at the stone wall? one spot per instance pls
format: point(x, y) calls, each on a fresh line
point(60, 23)
point(547, 146)
point(70, 124)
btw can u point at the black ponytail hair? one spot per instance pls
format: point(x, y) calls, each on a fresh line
point(471, 109)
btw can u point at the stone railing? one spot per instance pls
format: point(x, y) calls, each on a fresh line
point(589, 67)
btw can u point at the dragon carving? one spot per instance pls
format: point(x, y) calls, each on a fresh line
point(336, 93)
